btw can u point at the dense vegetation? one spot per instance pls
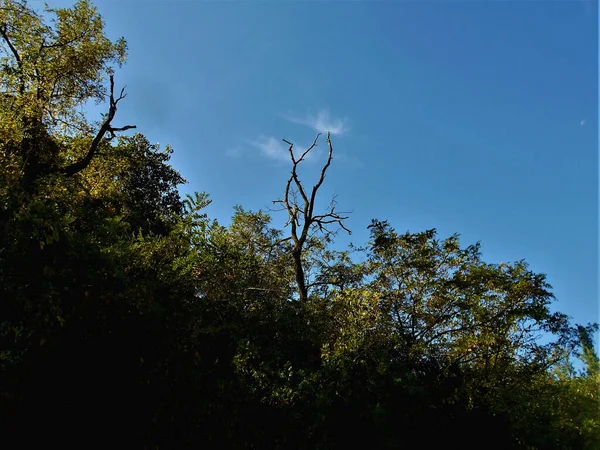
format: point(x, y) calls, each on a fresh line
point(128, 318)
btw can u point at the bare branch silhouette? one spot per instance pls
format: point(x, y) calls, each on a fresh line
point(106, 127)
point(300, 209)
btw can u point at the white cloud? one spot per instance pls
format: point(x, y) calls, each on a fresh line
point(271, 148)
point(278, 150)
point(322, 122)
point(583, 122)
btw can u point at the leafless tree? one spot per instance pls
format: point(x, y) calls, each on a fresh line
point(299, 204)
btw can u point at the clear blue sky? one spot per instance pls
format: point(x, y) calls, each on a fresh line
point(476, 117)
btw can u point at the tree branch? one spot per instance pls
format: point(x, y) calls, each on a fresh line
point(322, 178)
point(295, 173)
point(106, 127)
point(4, 34)
point(58, 44)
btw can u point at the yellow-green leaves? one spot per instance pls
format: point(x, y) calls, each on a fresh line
point(52, 63)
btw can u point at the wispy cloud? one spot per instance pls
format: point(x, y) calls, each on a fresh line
point(322, 122)
point(583, 122)
point(271, 148)
point(277, 150)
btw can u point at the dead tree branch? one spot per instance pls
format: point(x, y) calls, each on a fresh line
point(106, 128)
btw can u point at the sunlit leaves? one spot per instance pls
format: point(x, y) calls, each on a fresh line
point(48, 70)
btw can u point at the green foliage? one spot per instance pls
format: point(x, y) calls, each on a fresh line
point(48, 70)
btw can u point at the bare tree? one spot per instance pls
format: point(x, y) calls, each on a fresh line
point(299, 205)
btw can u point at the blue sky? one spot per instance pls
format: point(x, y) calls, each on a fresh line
point(476, 117)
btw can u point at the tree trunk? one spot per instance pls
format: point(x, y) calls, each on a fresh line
point(299, 270)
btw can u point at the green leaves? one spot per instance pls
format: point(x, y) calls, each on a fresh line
point(440, 297)
point(50, 70)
